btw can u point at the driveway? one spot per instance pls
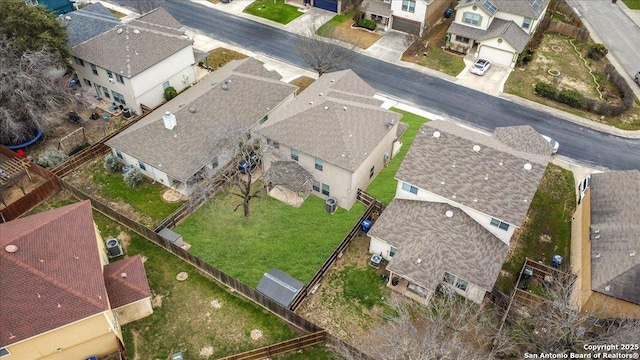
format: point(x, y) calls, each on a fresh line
point(391, 46)
point(492, 82)
point(312, 18)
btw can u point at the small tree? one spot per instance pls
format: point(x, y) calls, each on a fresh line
point(170, 92)
point(323, 53)
point(51, 157)
point(597, 51)
point(112, 163)
point(133, 177)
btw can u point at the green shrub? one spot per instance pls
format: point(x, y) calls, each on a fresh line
point(51, 157)
point(357, 16)
point(112, 163)
point(133, 177)
point(546, 89)
point(526, 56)
point(571, 97)
point(367, 24)
point(597, 51)
point(170, 92)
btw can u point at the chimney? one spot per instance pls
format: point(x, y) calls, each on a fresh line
point(169, 120)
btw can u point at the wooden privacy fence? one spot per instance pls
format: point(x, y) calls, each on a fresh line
point(280, 348)
point(569, 30)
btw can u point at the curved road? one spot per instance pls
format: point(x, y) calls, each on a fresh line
point(589, 147)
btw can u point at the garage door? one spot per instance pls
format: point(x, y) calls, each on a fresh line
point(331, 5)
point(496, 56)
point(404, 25)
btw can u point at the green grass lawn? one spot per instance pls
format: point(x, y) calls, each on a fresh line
point(632, 4)
point(274, 10)
point(328, 28)
point(383, 187)
point(548, 231)
point(294, 240)
point(443, 61)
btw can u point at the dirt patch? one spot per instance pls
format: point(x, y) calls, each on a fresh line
point(256, 334)
point(358, 37)
point(136, 340)
point(434, 37)
point(302, 83)
point(156, 301)
point(22, 186)
point(216, 304)
point(206, 351)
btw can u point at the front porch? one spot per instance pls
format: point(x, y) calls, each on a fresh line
point(378, 11)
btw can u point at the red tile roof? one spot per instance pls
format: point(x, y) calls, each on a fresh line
point(126, 281)
point(55, 276)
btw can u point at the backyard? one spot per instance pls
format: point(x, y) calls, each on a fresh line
point(274, 10)
point(339, 27)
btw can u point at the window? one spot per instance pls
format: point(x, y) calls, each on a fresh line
point(118, 97)
point(325, 189)
point(31, 3)
point(120, 78)
point(449, 279)
point(409, 188)
point(264, 119)
point(119, 154)
point(319, 163)
point(372, 171)
point(462, 284)
point(392, 251)
point(78, 61)
point(453, 280)
point(526, 23)
point(94, 69)
point(165, 85)
point(109, 74)
point(214, 162)
point(294, 154)
point(4, 352)
point(87, 82)
point(316, 186)
point(409, 6)
point(462, 39)
point(142, 165)
point(106, 92)
point(473, 19)
point(499, 224)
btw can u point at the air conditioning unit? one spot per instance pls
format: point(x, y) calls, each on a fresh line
point(111, 80)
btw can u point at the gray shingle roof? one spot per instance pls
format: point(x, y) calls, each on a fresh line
point(615, 234)
point(458, 245)
point(523, 138)
point(508, 30)
point(338, 111)
point(528, 8)
point(220, 115)
point(279, 286)
point(492, 180)
point(377, 7)
point(88, 22)
point(288, 174)
point(160, 16)
point(129, 50)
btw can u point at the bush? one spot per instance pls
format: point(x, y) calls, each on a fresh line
point(597, 51)
point(112, 163)
point(546, 89)
point(359, 15)
point(133, 177)
point(51, 157)
point(367, 24)
point(170, 93)
point(570, 97)
point(525, 57)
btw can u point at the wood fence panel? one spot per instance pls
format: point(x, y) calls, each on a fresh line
point(569, 30)
point(280, 348)
point(30, 200)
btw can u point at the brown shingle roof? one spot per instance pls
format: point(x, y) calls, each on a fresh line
point(523, 138)
point(55, 276)
point(492, 180)
point(127, 288)
point(160, 16)
point(458, 245)
point(615, 234)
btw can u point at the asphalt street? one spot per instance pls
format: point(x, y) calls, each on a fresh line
point(586, 146)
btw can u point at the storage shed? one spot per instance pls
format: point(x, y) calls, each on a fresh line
point(279, 286)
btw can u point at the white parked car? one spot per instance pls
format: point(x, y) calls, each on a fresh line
point(480, 66)
point(555, 144)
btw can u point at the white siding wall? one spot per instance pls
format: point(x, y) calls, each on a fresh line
point(500, 53)
point(418, 15)
point(379, 246)
point(486, 18)
point(102, 79)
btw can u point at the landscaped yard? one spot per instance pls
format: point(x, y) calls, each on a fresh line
point(632, 4)
point(302, 83)
point(556, 54)
point(339, 27)
point(219, 57)
point(547, 228)
point(274, 10)
point(143, 204)
point(294, 240)
point(383, 187)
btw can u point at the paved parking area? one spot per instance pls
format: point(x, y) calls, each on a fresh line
point(312, 19)
point(391, 46)
point(492, 82)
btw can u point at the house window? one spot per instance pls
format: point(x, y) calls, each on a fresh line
point(294, 154)
point(499, 224)
point(526, 23)
point(106, 92)
point(264, 119)
point(31, 3)
point(392, 251)
point(4, 352)
point(372, 171)
point(462, 284)
point(409, 6)
point(94, 69)
point(449, 279)
point(87, 82)
point(596, 321)
point(325, 189)
point(214, 162)
point(248, 135)
point(142, 165)
point(462, 39)
point(165, 85)
point(120, 78)
point(109, 74)
point(118, 97)
point(410, 188)
point(119, 154)
point(78, 61)
point(472, 19)
point(319, 164)
point(316, 186)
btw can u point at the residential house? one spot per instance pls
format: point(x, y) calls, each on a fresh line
point(410, 16)
point(336, 6)
point(497, 30)
point(132, 64)
point(194, 135)
point(60, 297)
point(460, 196)
point(86, 23)
point(58, 7)
point(337, 131)
point(608, 210)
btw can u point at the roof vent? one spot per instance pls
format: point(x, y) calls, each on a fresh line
point(436, 134)
point(123, 275)
point(528, 166)
point(332, 80)
point(597, 255)
point(418, 261)
point(182, 104)
point(344, 108)
point(320, 94)
point(453, 165)
point(476, 148)
point(596, 231)
point(68, 18)
point(486, 177)
point(11, 248)
point(225, 86)
point(310, 102)
point(442, 182)
point(633, 254)
point(449, 213)
point(120, 31)
point(170, 120)
point(607, 288)
point(326, 108)
point(192, 110)
point(136, 31)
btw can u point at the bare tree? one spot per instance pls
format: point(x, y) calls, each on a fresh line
point(323, 54)
point(31, 95)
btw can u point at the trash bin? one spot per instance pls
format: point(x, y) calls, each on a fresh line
point(448, 13)
point(365, 225)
